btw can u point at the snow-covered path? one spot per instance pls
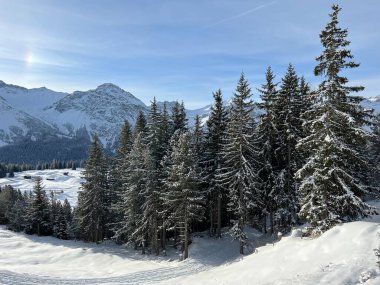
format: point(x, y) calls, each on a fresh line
point(343, 255)
point(46, 260)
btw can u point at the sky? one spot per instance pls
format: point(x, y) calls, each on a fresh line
point(177, 49)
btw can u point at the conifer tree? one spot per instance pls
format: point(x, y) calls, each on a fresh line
point(287, 158)
point(179, 119)
point(134, 175)
point(268, 143)
point(184, 200)
point(216, 127)
point(116, 181)
point(374, 154)
point(140, 125)
point(239, 160)
point(40, 222)
point(151, 205)
point(93, 200)
point(331, 185)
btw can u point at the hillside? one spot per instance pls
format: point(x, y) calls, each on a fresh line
point(342, 255)
point(40, 124)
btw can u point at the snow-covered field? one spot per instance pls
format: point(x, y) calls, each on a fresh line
point(62, 185)
point(343, 255)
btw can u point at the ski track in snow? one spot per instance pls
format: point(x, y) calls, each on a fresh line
point(145, 277)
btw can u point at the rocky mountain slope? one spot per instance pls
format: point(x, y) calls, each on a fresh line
point(41, 116)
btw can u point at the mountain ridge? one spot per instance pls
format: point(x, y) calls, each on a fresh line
point(30, 113)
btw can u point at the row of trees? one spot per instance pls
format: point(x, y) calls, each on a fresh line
point(11, 168)
point(305, 159)
point(35, 213)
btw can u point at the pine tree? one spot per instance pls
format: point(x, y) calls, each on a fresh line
point(40, 222)
point(374, 154)
point(239, 160)
point(216, 127)
point(287, 158)
point(331, 185)
point(184, 200)
point(179, 120)
point(151, 205)
point(61, 228)
point(268, 143)
point(17, 215)
point(140, 125)
point(93, 200)
point(116, 181)
point(134, 175)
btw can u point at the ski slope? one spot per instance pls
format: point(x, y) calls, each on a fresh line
point(64, 187)
point(342, 255)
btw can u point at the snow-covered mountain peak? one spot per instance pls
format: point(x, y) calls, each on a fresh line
point(108, 87)
point(374, 99)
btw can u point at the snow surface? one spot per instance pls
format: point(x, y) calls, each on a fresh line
point(68, 184)
point(342, 255)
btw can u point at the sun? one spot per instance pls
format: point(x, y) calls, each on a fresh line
point(29, 59)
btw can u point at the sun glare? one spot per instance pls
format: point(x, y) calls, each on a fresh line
point(28, 58)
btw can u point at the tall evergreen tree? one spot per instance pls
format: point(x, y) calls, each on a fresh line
point(374, 154)
point(184, 199)
point(239, 160)
point(216, 127)
point(268, 143)
point(140, 125)
point(131, 229)
point(287, 158)
point(151, 205)
point(179, 120)
point(39, 211)
point(93, 199)
point(118, 166)
point(331, 183)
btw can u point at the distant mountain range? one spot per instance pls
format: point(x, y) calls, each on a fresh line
point(41, 124)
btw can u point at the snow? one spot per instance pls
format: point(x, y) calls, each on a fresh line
point(58, 182)
point(101, 110)
point(342, 255)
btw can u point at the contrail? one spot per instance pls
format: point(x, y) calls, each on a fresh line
point(241, 14)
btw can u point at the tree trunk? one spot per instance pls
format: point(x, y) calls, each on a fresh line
point(241, 227)
point(219, 226)
point(175, 237)
point(271, 222)
point(186, 243)
point(264, 221)
point(211, 221)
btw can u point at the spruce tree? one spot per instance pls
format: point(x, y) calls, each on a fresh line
point(140, 125)
point(268, 140)
point(374, 154)
point(40, 221)
point(151, 205)
point(184, 200)
point(179, 120)
point(93, 199)
point(332, 186)
point(116, 181)
point(212, 162)
point(287, 158)
point(134, 175)
point(239, 161)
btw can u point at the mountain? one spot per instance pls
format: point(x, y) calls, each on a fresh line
point(41, 124)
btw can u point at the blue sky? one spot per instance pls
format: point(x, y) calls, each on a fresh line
point(175, 49)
